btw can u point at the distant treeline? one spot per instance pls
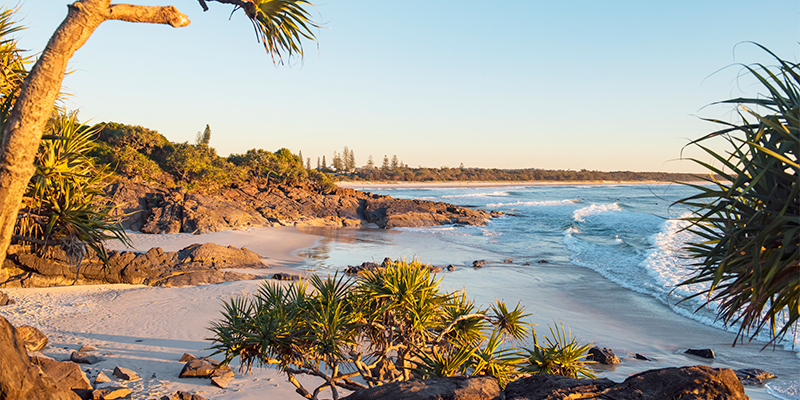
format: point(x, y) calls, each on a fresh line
point(406, 174)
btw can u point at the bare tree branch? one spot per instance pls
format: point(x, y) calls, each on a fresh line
point(168, 15)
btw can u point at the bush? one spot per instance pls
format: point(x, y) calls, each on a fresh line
point(749, 220)
point(389, 325)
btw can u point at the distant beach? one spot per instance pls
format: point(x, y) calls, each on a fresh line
point(452, 184)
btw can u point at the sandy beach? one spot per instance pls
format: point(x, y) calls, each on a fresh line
point(477, 184)
point(147, 329)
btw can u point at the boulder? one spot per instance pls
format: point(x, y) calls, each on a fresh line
point(705, 353)
point(603, 356)
point(480, 387)
point(101, 378)
point(508, 261)
point(698, 382)
point(111, 393)
point(4, 300)
point(556, 387)
point(197, 368)
point(87, 347)
point(222, 377)
point(187, 396)
point(33, 338)
point(451, 267)
point(753, 376)
point(282, 276)
point(125, 374)
point(19, 378)
point(479, 263)
point(84, 358)
point(187, 357)
point(67, 375)
point(641, 357)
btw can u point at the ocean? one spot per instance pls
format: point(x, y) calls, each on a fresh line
point(604, 259)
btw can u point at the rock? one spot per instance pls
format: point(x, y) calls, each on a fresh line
point(686, 383)
point(101, 378)
point(282, 276)
point(451, 267)
point(705, 353)
point(125, 374)
point(87, 347)
point(641, 357)
point(480, 387)
point(84, 358)
point(67, 375)
point(543, 261)
point(698, 382)
point(33, 338)
point(4, 300)
point(197, 368)
point(753, 376)
point(358, 269)
point(479, 263)
point(526, 263)
point(552, 387)
point(603, 356)
point(19, 378)
point(111, 392)
point(508, 261)
point(222, 377)
point(187, 396)
point(435, 269)
point(187, 357)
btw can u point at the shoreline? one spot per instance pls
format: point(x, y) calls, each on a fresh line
point(473, 184)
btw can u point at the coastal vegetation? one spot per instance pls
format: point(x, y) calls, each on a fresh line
point(748, 222)
point(390, 324)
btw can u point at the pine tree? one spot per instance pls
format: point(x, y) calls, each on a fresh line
point(395, 163)
point(351, 160)
point(324, 163)
point(385, 165)
point(300, 156)
point(205, 137)
point(370, 163)
point(318, 164)
point(337, 161)
point(308, 163)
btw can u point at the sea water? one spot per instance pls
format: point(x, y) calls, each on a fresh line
point(604, 258)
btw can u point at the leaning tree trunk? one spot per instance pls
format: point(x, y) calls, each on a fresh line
point(38, 94)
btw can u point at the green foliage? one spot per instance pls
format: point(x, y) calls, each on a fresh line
point(562, 355)
point(13, 68)
point(749, 219)
point(199, 167)
point(64, 204)
point(388, 325)
point(281, 24)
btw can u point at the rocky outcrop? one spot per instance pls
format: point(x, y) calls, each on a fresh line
point(66, 374)
point(194, 265)
point(603, 355)
point(158, 210)
point(689, 383)
point(19, 378)
point(453, 388)
point(33, 338)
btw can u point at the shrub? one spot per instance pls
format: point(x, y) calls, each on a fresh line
point(748, 221)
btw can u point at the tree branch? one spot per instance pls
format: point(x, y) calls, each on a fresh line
point(168, 15)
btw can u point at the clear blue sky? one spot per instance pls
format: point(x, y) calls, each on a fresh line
point(608, 85)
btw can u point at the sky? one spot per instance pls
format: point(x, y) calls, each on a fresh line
point(598, 85)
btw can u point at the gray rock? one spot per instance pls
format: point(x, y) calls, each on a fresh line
point(84, 358)
point(4, 300)
point(33, 338)
point(705, 353)
point(753, 376)
point(125, 374)
point(641, 357)
point(552, 387)
point(187, 396)
point(603, 356)
point(282, 276)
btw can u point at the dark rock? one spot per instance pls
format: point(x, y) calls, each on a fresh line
point(753, 376)
point(451, 267)
point(543, 261)
point(698, 382)
point(33, 338)
point(641, 357)
point(187, 396)
point(480, 387)
point(282, 276)
point(67, 375)
point(508, 261)
point(705, 353)
point(552, 387)
point(358, 269)
point(686, 383)
point(386, 262)
point(603, 356)
point(435, 269)
point(19, 378)
point(125, 374)
point(84, 358)
point(526, 263)
point(197, 368)
point(111, 392)
point(479, 263)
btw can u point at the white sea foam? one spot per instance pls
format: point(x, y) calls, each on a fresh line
point(492, 194)
point(581, 214)
point(784, 390)
point(534, 203)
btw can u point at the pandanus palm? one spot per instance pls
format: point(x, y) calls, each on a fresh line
point(747, 216)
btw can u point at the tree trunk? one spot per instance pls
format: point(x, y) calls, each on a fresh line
point(38, 94)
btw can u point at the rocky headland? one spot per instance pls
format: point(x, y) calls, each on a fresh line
point(149, 208)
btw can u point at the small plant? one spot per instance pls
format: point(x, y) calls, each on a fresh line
point(562, 355)
point(392, 324)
